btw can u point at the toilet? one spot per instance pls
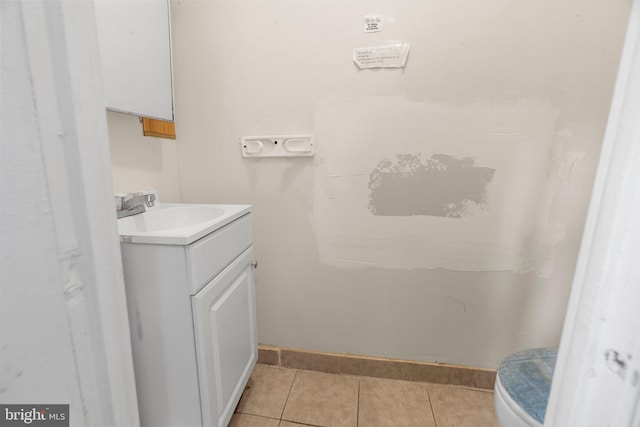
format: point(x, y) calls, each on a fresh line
point(522, 387)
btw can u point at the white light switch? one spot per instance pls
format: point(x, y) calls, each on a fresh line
point(277, 146)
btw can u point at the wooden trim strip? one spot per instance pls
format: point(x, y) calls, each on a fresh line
point(158, 128)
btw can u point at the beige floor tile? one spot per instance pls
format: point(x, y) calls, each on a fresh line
point(459, 407)
point(246, 420)
point(290, 424)
point(320, 399)
point(266, 392)
point(394, 403)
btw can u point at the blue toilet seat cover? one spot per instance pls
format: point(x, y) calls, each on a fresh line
point(526, 376)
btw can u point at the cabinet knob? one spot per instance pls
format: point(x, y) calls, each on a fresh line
point(254, 263)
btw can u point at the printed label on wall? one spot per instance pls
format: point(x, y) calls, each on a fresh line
point(390, 55)
point(372, 23)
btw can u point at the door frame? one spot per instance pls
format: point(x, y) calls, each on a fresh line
point(597, 376)
point(63, 62)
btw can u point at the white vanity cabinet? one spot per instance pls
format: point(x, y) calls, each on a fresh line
point(224, 322)
point(134, 41)
point(193, 324)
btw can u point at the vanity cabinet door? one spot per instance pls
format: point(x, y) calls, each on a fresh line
point(135, 51)
point(226, 342)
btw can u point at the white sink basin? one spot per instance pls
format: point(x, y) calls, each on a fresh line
point(177, 224)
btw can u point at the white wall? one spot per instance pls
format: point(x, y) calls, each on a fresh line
point(142, 162)
point(522, 89)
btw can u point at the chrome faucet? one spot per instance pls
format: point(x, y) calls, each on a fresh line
point(133, 203)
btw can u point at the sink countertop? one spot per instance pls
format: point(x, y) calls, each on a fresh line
point(177, 223)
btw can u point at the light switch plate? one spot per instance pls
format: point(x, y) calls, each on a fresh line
point(278, 146)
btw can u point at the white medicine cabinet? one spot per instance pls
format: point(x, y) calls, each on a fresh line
point(134, 39)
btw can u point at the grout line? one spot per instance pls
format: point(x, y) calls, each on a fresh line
point(289, 394)
point(257, 415)
point(358, 405)
point(299, 423)
point(433, 413)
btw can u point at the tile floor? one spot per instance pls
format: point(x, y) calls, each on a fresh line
point(281, 397)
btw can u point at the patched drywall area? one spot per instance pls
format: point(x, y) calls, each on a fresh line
point(442, 185)
point(381, 201)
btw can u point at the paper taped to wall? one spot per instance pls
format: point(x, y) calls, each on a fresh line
point(392, 54)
